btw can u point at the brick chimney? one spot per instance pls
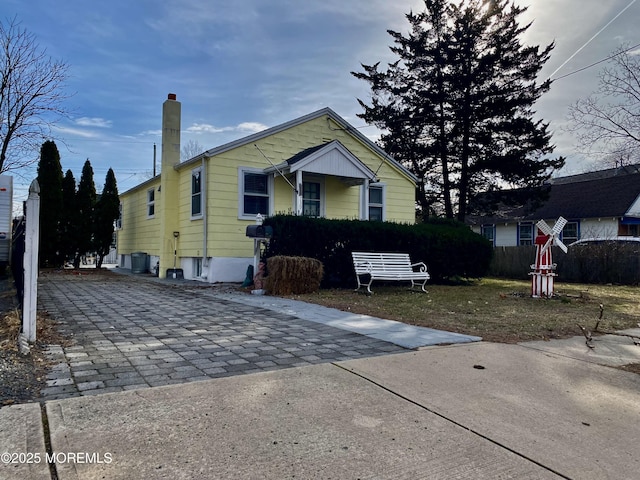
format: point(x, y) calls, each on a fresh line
point(169, 194)
point(171, 110)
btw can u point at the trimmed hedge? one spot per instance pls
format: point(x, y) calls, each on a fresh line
point(449, 248)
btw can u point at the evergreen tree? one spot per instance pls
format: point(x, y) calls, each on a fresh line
point(85, 202)
point(457, 106)
point(107, 212)
point(50, 181)
point(69, 221)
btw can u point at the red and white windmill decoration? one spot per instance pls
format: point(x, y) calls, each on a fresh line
point(543, 269)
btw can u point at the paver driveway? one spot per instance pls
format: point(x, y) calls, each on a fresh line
point(129, 332)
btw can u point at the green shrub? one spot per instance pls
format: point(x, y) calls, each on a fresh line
point(449, 248)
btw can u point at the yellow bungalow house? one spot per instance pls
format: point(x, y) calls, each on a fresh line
point(195, 213)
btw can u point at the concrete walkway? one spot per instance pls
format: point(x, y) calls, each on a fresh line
point(398, 333)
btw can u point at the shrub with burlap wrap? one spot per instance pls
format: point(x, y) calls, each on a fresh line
point(293, 275)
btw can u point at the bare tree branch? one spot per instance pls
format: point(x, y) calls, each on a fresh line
point(31, 96)
point(191, 149)
point(607, 124)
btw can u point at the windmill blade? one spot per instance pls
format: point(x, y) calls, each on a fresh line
point(547, 244)
point(560, 223)
point(559, 243)
point(543, 227)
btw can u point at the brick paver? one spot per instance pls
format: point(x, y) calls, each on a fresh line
point(128, 332)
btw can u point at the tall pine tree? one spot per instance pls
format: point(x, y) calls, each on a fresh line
point(85, 203)
point(107, 212)
point(69, 220)
point(51, 206)
point(457, 105)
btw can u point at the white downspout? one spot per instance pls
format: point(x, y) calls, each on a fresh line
point(365, 200)
point(205, 221)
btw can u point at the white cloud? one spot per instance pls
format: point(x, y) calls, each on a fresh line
point(75, 132)
point(252, 127)
point(94, 122)
point(153, 133)
point(206, 128)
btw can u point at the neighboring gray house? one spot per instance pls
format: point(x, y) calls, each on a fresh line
point(600, 204)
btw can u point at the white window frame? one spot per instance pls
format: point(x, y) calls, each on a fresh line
point(489, 228)
point(197, 267)
point(196, 172)
point(577, 236)
point(320, 181)
point(151, 203)
point(533, 233)
point(241, 173)
point(383, 188)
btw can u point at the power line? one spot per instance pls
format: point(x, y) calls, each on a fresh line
point(596, 63)
point(592, 38)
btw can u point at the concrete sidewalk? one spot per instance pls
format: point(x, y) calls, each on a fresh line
point(477, 411)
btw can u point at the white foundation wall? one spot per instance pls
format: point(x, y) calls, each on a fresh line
point(228, 269)
point(219, 269)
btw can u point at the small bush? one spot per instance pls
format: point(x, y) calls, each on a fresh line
point(293, 275)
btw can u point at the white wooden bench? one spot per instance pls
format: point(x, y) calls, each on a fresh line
point(388, 266)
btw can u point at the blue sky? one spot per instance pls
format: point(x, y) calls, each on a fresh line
point(240, 66)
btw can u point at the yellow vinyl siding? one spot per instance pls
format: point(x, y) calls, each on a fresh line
point(139, 233)
point(341, 201)
point(190, 242)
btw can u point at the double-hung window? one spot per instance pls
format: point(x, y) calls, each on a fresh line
point(151, 202)
point(196, 193)
point(570, 232)
point(525, 234)
point(119, 219)
point(376, 203)
point(254, 193)
point(488, 232)
point(311, 199)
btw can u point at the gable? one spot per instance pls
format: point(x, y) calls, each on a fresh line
point(332, 158)
point(341, 129)
point(634, 211)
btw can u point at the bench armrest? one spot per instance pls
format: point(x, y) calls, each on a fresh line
point(423, 267)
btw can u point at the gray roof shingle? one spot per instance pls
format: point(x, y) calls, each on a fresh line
point(584, 197)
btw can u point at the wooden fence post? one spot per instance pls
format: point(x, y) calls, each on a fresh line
point(32, 234)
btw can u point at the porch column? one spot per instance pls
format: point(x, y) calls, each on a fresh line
point(298, 206)
point(365, 200)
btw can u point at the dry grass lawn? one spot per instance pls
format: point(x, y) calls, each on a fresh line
point(495, 309)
